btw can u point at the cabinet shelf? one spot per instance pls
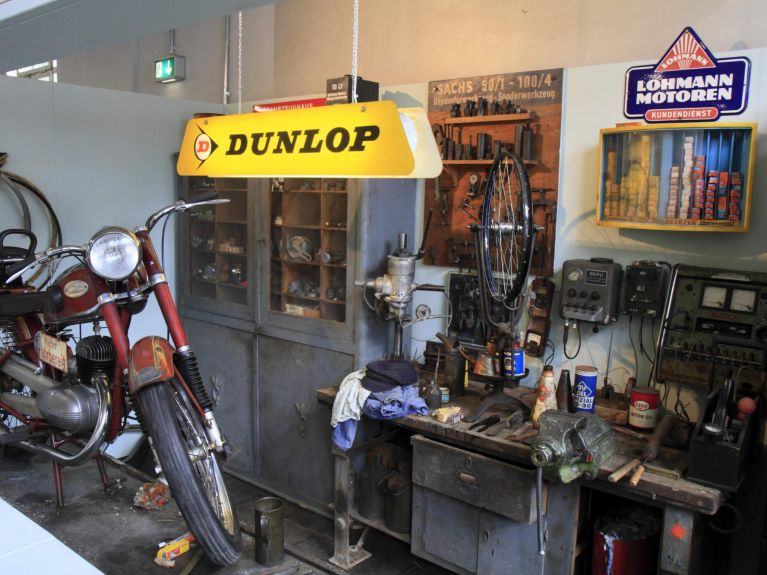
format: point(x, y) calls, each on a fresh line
point(495, 119)
point(313, 208)
point(208, 238)
point(218, 283)
point(302, 297)
point(302, 226)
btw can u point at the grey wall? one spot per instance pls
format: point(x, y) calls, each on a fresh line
point(102, 157)
point(292, 47)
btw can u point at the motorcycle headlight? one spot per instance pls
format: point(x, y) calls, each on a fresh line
point(113, 253)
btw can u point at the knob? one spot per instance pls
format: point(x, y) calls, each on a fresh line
point(572, 292)
point(593, 308)
point(595, 295)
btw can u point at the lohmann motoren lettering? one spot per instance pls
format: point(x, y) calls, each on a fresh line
point(687, 84)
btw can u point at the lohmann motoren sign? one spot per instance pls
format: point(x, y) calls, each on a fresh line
point(687, 84)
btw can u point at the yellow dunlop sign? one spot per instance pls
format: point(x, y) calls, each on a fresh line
point(355, 140)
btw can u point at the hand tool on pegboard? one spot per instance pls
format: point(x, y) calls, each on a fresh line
point(468, 209)
point(542, 256)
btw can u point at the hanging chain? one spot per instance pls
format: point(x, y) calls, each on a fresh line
point(239, 62)
point(355, 42)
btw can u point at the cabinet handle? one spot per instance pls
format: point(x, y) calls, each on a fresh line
point(468, 479)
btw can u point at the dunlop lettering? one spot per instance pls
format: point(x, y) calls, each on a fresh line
point(337, 140)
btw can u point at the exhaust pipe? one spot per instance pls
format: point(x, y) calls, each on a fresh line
point(94, 441)
point(26, 372)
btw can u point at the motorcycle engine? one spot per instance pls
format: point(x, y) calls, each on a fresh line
point(94, 354)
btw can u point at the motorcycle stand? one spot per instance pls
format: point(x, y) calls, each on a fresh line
point(58, 481)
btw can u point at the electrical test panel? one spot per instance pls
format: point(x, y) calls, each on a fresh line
point(590, 290)
point(713, 318)
point(644, 289)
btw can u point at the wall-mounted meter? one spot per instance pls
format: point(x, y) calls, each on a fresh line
point(590, 290)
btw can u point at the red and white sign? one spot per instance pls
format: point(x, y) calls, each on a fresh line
point(290, 105)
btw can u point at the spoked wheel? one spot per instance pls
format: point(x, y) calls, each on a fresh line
point(192, 470)
point(506, 232)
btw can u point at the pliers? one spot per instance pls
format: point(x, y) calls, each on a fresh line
point(484, 424)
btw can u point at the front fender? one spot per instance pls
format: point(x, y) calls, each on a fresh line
point(151, 360)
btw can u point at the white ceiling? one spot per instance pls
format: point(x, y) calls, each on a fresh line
point(33, 31)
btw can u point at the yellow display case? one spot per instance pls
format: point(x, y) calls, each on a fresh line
point(679, 177)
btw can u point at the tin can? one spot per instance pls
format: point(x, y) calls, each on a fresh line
point(643, 408)
point(519, 360)
point(585, 388)
point(445, 394)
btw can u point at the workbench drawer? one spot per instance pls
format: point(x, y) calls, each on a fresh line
point(480, 481)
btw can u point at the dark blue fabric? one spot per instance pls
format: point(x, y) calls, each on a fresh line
point(385, 374)
point(392, 404)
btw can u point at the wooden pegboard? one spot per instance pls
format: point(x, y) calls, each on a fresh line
point(530, 100)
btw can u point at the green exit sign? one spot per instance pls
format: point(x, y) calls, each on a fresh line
point(170, 69)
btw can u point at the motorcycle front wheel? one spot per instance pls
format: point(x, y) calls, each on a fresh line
point(192, 470)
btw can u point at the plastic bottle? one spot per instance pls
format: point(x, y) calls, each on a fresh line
point(546, 394)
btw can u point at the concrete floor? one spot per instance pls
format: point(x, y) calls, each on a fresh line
point(118, 539)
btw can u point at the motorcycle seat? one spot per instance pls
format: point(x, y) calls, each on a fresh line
point(11, 256)
point(16, 304)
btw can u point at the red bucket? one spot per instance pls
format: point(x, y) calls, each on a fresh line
point(626, 543)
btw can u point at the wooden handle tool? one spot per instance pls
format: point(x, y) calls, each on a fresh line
point(623, 470)
point(637, 475)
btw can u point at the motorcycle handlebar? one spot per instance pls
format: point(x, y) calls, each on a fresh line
point(16, 270)
point(206, 199)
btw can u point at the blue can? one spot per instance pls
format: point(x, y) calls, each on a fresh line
point(585, 390)
point(519, 360)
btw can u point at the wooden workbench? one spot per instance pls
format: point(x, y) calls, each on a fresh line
point(683, 502)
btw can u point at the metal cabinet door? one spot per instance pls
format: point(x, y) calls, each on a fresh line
point(225, 357)
point(510, 548)
point(294, 429)
point(444, 531)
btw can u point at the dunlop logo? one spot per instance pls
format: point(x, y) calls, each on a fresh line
point(312, 141)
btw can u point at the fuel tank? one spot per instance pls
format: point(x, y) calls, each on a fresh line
point(76, 292)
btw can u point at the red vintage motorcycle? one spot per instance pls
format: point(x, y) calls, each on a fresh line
point(66, 404)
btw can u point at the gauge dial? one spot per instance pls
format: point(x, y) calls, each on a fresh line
point(714, 297)
point(743, 300)
point(574, 275)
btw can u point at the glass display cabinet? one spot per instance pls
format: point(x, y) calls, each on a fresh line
point(684, 177)
point(307, 275)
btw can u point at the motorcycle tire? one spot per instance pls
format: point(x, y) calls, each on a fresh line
point(197, 485)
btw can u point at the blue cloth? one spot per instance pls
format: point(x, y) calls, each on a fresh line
point(395, 403)
point(392, 404)
point(343, 434)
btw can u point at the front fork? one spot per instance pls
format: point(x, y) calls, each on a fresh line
point(183, 357)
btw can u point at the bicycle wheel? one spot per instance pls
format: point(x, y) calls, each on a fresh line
point(191, 469)
point(506, 243)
